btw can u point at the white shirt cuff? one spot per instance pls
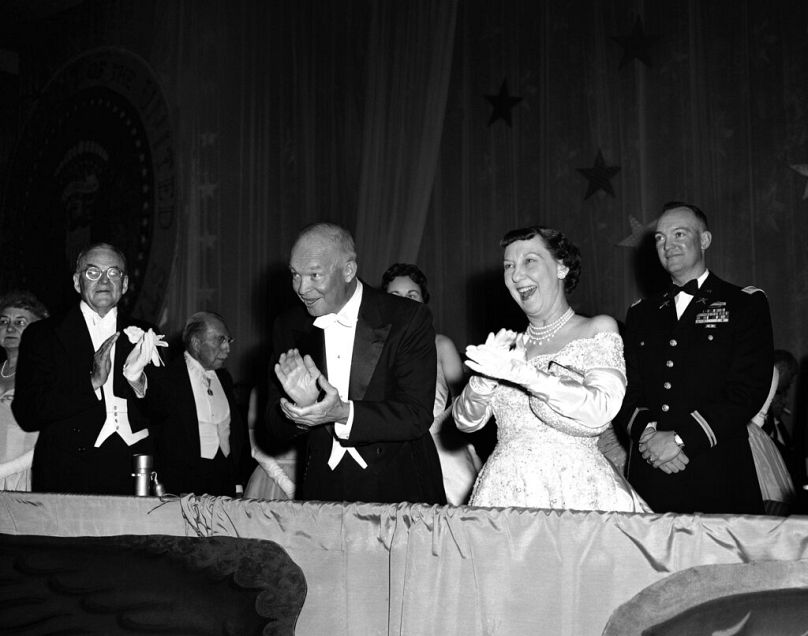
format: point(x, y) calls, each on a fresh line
point(343, 431)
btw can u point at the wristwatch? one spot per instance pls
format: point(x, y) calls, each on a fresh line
point(679, 441)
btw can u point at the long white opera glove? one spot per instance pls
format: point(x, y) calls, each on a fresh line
point(591, 401)
point(471, 410)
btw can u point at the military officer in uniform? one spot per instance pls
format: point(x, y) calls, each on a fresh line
point(698, 361)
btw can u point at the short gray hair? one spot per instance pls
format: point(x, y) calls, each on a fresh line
point(334, 233)
point(198, 324)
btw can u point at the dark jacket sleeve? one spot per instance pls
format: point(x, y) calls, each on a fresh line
point(280, 427)
point(48, 388)
point(634, 414)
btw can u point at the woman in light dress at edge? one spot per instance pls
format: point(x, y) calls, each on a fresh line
point(17, 311)
point(459, 461)
point(553, 389)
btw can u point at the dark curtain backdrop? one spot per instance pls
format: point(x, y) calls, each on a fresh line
point(374, 115)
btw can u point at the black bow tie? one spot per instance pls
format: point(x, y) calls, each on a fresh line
point(690, 287)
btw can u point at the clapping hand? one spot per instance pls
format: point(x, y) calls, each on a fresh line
point(330, 409)
point(496, 359)
point(298, 376)
point(102, 362)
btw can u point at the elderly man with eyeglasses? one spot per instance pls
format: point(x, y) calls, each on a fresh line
point(71, 387)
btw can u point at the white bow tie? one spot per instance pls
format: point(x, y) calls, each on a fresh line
point(324, 322)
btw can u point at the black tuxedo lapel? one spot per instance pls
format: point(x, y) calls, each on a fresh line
point(309, 338)
point(371, 335)
point(75, 337)
point(190, 420)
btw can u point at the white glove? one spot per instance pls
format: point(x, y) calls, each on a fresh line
point(144, 351)
point(503, 340)
point(471, 410)
point(500, 363)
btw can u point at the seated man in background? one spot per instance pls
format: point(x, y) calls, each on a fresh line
point(200, 439)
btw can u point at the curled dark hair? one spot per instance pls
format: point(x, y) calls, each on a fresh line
point(409, 270)
point(701, 216)
point(559, 246)
point(24, 300)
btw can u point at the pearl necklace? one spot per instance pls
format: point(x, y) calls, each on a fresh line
point(3, 375)
point(542, 335)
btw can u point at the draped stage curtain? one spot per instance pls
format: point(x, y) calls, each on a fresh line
point(374, 114)
point(409, 66)
point(417, 569)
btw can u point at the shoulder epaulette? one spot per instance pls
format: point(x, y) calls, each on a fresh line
point(751, 289)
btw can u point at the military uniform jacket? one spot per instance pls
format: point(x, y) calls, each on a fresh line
point(704, 376)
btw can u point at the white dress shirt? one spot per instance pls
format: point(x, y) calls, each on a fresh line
point(212, 409)
point(683, 298)
point(339, 332)
point(117, 411)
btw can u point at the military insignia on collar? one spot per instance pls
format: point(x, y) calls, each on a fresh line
point(636, 302)
point(712, 315)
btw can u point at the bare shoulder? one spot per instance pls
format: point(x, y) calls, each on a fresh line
point(600, 324)
point(444, 344)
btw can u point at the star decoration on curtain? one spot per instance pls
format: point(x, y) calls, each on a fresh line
point(638, 231)
point(599, 176)
point(636, 45)
point(502, 103)
point(207, 138)
point(207, 190)
point(802, 169)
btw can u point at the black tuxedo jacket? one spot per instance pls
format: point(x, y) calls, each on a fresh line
point(392, 386)
point(175, 431)
point(54, 395)
point(704, 376)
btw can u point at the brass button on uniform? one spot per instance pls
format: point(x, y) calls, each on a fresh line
point(667, 385)
point(669, 363)
point(672, 342)
point(665, 408)
point(710, 337)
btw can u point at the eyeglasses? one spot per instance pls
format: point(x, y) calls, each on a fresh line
point(220, 340)
point(19, 323)
point(95, 273)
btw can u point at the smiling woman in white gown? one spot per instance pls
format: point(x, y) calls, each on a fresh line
point(552, 389)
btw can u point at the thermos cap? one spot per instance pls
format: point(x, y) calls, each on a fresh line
point(143, 462)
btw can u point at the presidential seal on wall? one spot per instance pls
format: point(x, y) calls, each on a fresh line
point(95, 163)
